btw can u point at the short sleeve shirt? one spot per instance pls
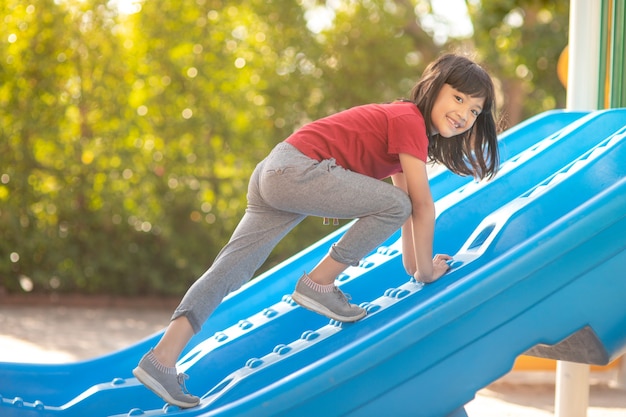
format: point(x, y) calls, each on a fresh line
point(366, 139)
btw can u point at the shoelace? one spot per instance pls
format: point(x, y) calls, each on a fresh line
point(346, 297)
point(181, 378)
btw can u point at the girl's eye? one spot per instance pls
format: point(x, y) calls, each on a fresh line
point(458, 99)
point(475, 113)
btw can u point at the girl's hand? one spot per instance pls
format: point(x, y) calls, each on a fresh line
point(440, 267)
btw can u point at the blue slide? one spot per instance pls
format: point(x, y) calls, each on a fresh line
point(539, 260)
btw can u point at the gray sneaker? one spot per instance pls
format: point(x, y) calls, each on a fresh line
point(164, 382)
point(334, 305)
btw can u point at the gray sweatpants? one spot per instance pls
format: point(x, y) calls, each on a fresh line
point(284, 188)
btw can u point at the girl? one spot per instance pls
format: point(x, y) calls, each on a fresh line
point(332, 168)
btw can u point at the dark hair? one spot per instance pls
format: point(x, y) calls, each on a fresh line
point(474, 152)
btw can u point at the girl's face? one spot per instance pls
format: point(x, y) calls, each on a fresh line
point(454, 112)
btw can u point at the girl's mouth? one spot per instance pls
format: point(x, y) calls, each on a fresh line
point(453, 123)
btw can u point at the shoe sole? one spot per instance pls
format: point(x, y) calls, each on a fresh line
point(154, 386)
point(316, 307)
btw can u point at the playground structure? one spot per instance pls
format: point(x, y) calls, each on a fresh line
point(539, 255)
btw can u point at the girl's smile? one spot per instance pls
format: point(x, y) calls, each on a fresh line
point(454, 112)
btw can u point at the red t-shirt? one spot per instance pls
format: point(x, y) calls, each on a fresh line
point(366, 139)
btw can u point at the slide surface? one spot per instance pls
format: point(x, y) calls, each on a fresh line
point(539, 260)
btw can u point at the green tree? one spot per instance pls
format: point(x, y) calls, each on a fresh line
point(64, 82)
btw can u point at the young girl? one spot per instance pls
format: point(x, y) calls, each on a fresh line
point(332, 168)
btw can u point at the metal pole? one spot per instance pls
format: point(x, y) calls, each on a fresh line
point(572, 389)
point(583, 70)
point(572, 379)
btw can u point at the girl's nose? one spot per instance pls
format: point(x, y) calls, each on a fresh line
point(463, 115)
point(462, 118)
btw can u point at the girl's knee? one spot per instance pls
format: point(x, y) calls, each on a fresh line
point(402, 206)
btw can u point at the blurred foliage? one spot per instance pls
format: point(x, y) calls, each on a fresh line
point(127, 135)
point(521, 40)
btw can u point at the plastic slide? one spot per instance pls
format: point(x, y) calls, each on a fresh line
point(539, 254)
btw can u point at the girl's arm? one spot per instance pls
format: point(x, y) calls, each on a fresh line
point(418, 231)
point(408, 249)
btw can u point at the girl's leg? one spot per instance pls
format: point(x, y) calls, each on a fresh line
point(255, 237)
point(327, 190)
point(174, 340)
point(251, 243)
point(284, 188)
point(327, 270)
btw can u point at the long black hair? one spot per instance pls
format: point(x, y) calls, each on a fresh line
point(474, 152)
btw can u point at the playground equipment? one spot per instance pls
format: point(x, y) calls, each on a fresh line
point(539, 254)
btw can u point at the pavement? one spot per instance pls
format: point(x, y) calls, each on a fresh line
point(58, 332)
